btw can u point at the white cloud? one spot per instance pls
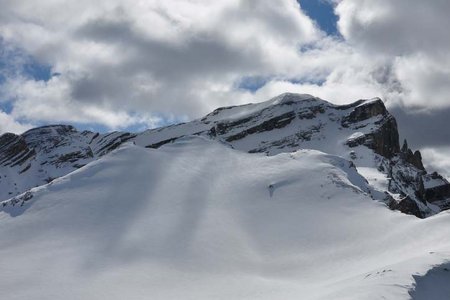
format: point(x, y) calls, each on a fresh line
point(412, 36)
point(437, 159)
point(9, 124)
point(51, 101)
point(153, 57)
point(123, 64)
point(398, 27)
point(425, 79)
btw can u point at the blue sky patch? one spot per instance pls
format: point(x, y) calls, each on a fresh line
point(16, 62)
point(252, 83)
point(321, 11)
point(37, 71)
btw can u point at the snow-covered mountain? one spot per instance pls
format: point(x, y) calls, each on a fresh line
point(363, 132)
point(195, 219)
point(285, 199)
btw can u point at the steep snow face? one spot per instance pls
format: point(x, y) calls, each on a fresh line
point(196, 219)
point(42, 154)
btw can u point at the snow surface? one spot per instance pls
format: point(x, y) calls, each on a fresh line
point(434, 285)
point(195, 219)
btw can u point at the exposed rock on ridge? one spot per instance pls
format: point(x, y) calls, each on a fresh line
point(385, 140)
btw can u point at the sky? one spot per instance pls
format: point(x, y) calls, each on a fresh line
point(130, 65)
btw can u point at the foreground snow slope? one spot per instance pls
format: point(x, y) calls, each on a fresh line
point(198, 220)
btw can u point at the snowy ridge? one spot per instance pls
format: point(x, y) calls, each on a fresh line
point(195, 219)
point(42, 154)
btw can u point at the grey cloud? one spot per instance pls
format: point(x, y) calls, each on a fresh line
point(424, 129)
point(277, 18)
point(197, 55)
point(174, 66)
point(396, 27)
point(385, 75)
point(411, 35)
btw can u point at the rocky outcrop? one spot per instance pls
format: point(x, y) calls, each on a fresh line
point(407, 206)
point(383, 141)
point(403, 166)
point(437, 193)
point(271, 124)
point(413, 158)
point(14, 150)
point(364, 110)
point(49, 133)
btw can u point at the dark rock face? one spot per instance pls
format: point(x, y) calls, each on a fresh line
point(14, 150)
point(365, 111)
point(413, 158)
point(159, 144)
point(274, 123)
point(110, 142)
point(416, 160)
point(53, 135)
point(437, 193)
point(406, 206)
point(404, 168)
point(384, 141)
point(405, 180)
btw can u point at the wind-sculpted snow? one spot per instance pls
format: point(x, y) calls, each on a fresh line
point(196, 219)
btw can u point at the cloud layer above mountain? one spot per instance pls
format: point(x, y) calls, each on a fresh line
point(144, 63)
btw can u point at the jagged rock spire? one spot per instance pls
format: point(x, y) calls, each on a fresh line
point(405, 146)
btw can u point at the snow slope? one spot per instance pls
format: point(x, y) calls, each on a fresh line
point(196, 219)
point(433, 285)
